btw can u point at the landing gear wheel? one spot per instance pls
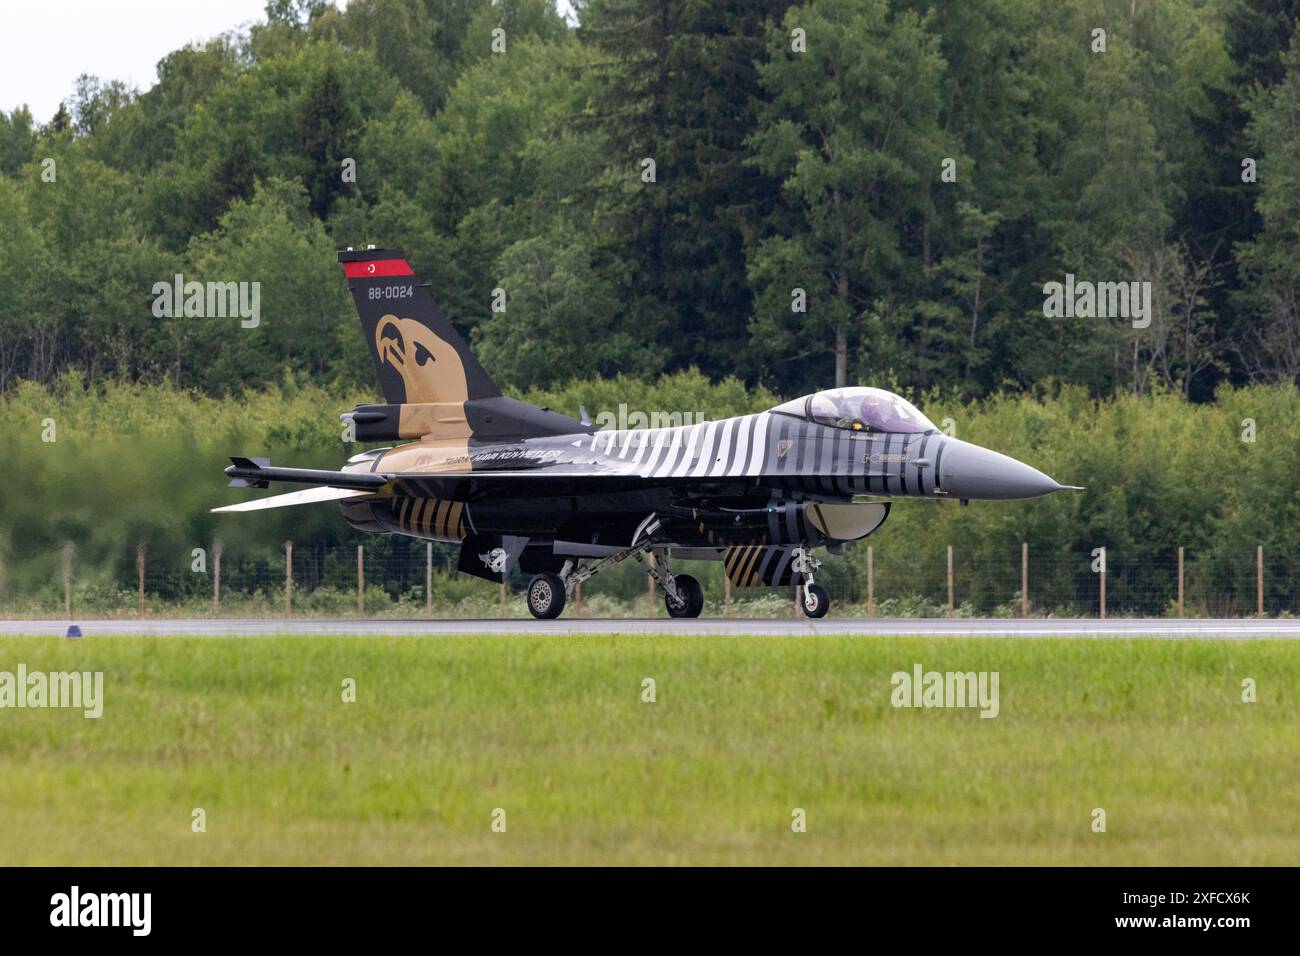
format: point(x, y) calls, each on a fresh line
point(690, 590)
point(545, 596)
point(816, 601)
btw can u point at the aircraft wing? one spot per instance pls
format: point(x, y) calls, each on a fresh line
point(306, 497)
point(467, 485)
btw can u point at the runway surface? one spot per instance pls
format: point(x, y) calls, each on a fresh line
point(1238, 629)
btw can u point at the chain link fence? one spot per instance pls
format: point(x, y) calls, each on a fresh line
point(405, 578)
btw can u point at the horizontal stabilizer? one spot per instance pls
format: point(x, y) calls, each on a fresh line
point(306, 497)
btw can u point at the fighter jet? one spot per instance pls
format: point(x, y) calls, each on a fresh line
point(517, 486)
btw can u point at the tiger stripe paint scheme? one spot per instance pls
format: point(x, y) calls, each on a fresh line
point(756, 565)
point(439, 519)
point(799, 455)
point(784, 454)
point(526, 487)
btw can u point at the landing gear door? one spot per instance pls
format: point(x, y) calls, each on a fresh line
point(490, 556)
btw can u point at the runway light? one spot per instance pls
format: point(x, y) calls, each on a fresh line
point(73, 631)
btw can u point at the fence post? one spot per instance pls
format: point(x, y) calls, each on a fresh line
point(502, 598)
point(577, 600)
point(650, 593)
point(216, 577)
point(871, 581)
point(69, 549)
point(288, 578)
point(139, 569)
point(726, 594)
point(361, 581)
point(1024, 579)
point(428, 578)
point(1180, 580)
point(798, 600)
point(1259, 579)
point(1103, 583)
point(950, 580)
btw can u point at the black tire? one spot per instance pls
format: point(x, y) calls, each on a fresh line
point(545, 596)
point(694, 594)
point(820, 599)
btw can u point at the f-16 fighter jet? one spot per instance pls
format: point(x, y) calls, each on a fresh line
point(517, 486)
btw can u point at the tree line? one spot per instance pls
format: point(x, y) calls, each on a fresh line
point(129, 464)
point(796, 195)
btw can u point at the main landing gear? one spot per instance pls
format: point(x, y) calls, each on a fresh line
point(816, 600)
point(548, 593)
point(683, 596)
point(690, 601)
point(546, 596)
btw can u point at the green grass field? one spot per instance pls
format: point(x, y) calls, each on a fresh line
point(554, 731)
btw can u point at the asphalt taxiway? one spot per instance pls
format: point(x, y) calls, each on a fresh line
point(1237, 628)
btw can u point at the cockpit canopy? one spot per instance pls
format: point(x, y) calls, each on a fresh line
point(859, 409)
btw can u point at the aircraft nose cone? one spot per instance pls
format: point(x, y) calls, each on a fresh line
point(969, 471)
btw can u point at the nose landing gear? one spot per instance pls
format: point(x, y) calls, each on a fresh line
point(816, 600)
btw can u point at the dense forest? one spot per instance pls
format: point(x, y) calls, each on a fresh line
point(699, 208)
point(795, 195)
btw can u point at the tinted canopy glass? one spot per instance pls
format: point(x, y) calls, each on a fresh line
point(866, 409)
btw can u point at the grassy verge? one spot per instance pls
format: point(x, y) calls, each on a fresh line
point(555, 732)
